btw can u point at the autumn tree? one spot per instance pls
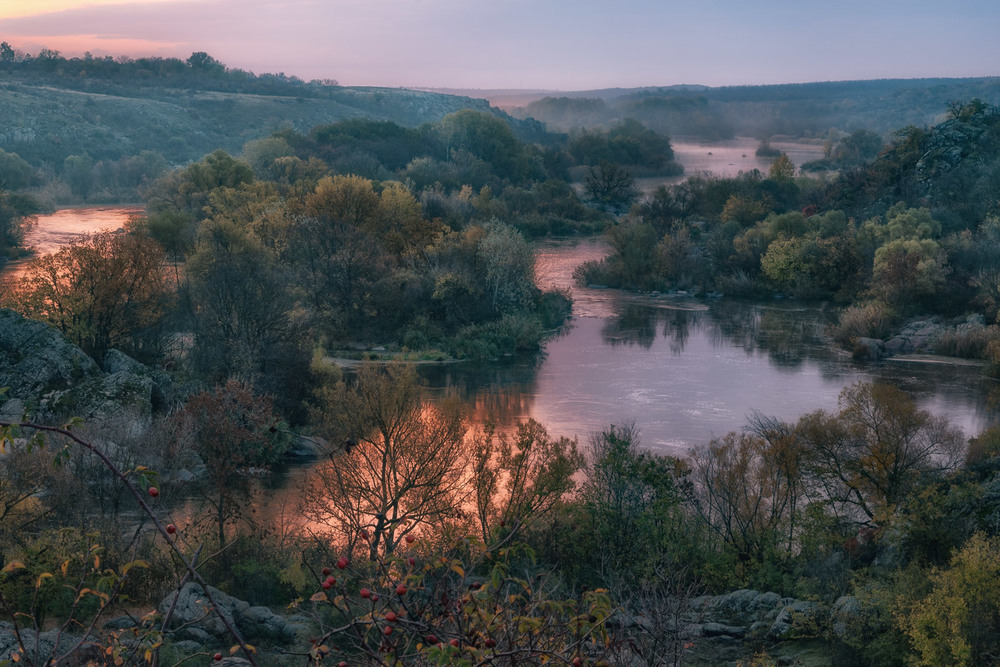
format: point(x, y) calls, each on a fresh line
point(867, 458)
point(519, 477)
point(233, 430)
point(106, 291)
point(398, 464)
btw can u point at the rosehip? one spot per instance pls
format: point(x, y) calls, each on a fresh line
point(432, 639)
point(454, 642)
point(490, 642)
point(331, 580)
point(153, 492)
point(401, 590)
point(342, 562)
point(410, 539)
point(387, 630)
point(412, 561)
point(365, 593)
point(326, 571)
point(326, 585)
point(390, 616)
point(171, 528)
point(217, 656)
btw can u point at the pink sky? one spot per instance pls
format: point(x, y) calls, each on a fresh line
point(553, 44)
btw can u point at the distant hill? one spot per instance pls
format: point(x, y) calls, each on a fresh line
point(53, 107)
point(822, 109)
point(44, 124)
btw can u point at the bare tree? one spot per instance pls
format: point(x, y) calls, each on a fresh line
point(402, 464)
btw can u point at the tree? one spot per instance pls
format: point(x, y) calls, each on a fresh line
point(16, 217)
point(519, 478)
point(866, 459)
point(509, 263)
point(611, 186)
point(233, 430)
point(241, 300)
point(958, 622)
point(106, 291)
point(401, 467)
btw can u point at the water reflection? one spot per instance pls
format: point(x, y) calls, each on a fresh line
point(686, 370)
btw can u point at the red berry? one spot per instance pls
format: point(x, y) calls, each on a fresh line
point(326, 585)
point(343, 663)
point(432, 639)
point(171, 528)
point(153, 492)
point(363, 534)
point(390, 616)
point(410, 539)
point(401, 590)
point(454, 642)
point(490, 642)
point(387, 630)
point(326, 571)
point(217, 656)
point(342, 562)
point(412, 561)
point(365, 593)
point(577, 662)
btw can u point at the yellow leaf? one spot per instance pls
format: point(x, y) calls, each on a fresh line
point(318, 597)
point(42, 577)
point(13, 565)
point(458, 570)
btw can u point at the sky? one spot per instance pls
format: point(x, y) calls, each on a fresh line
point(532, 44)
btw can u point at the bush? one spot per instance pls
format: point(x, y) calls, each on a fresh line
point(871, 320)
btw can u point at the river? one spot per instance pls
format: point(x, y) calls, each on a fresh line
point(687, 370)
point(683, 370)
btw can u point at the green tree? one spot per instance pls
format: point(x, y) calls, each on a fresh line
point(958, 623)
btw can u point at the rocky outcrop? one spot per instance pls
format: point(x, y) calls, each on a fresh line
point(40, 648)
point(915, 338)
point(48, 377)
point(752, 614)
point(192, 619)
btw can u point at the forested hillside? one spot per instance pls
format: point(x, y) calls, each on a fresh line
point(826, 109)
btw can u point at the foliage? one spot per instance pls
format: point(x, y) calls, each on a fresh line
point(957, 623)
point(106, 291)
point(236, 430)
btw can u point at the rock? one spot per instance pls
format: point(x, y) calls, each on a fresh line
point(790, 618)
point(35, 359)
point(50, 644)
point(306, 447)
point(723, 630)
point(187, 647)
point(41, 368)
point(844, 615)
point(914, 338)
point(254, 623)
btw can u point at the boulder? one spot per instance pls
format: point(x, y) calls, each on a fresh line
point(51, 644)
point(193, 620)
point(47, 374)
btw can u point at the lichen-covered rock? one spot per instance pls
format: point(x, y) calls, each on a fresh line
point(39, 649)
point(50, 377)
point(194, 620)
point(35, 359)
